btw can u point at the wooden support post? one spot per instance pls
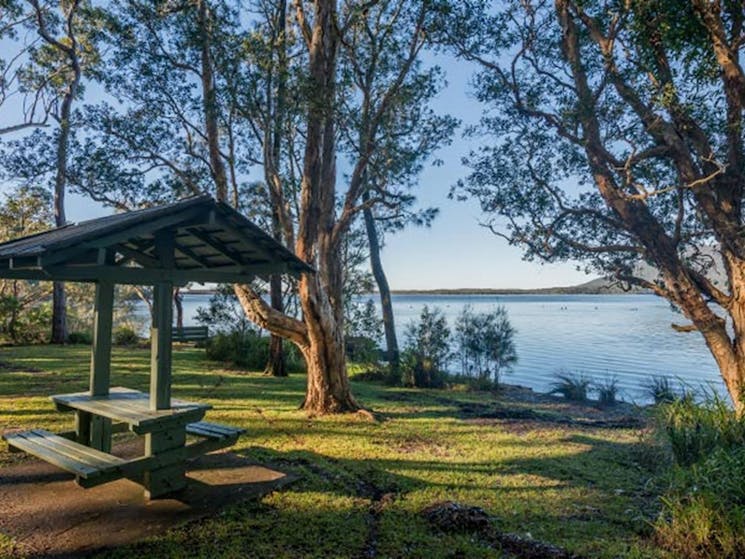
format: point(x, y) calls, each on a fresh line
point(166, 480)
point(161, 332)
point(169, 479)
point(160, 347)
point(99, 428)
point(83, 427)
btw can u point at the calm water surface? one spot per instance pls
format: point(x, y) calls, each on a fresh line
point(624, 336)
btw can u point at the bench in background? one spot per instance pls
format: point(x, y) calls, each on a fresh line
point(191, 334)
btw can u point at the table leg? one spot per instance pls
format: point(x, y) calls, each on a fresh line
point(100, 433)
point(169, 479)
point(93, 430)
point(82, 427)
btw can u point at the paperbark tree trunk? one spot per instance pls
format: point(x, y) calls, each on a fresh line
point(276, 365)
point(59, 299)
point(391, 341)
point(178, 303)
point(318, 242)
point(68, 48)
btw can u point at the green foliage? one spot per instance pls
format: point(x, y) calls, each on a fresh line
point(572, 387)
point(427, 350)
point(23, 304)
point(82, 338)
point(223, 312)
point(661, 390)
point(696, 430)
point(249, 350)
point(607, 391)
point(125, 336)
point(25, 325)
point(704, 509)
point(361, 349)
point(485, 343)
point(362, 320)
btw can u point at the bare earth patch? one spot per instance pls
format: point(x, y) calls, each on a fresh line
point(49, 516)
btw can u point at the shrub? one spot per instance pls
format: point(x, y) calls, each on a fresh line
point(361, 349)
point(362, 320)
point(427, 350)
point(485, 343)
point(696, 430)
point(703, 511)
point(24, 325)
point(660, 389)
point(248, 350)
point(82, 338)
point(607, 391)
point(572, 387)
point(126, 336)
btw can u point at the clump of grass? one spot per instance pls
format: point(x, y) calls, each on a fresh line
point(704, 509)
point(607, 391)
point(572, 387)
point(696, 430)
point(661, 390)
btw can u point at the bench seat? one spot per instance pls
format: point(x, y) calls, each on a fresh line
point(213, 436)
point(213, 430)
point(85, 462)
point(190, 334)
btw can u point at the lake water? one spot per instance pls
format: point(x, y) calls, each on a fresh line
point(623, 336)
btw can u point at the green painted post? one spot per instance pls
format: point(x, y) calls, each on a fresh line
point(99, 428)
point(160, 347)
point(166, 480)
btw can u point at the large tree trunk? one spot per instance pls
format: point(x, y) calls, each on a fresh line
point(59, 299)
point(384, 291)
point(319, 334)
point(178, 304)
point(209, 104)
point(328, 384)
point(276, 365)
point(321, 294)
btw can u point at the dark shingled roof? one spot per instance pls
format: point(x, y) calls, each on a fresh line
point(209, 237)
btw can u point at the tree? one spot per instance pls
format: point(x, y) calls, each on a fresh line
point(33, 105)
point(618, 141)
point(63, 50)
point(322, 225)
point(427, 349)
point(200, 110)
point(24, 211)
point(485, 343)
point(406, 133)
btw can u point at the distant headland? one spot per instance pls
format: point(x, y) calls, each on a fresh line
point(599, 286)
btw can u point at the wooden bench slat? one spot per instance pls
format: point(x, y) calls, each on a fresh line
point(213, 430)
point(204, 432)
point(91, 456)
point(216, 428)
point(61, 452)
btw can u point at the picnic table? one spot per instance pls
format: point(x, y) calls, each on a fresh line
point(196, 239)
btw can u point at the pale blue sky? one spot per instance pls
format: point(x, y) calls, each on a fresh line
point(456, 251)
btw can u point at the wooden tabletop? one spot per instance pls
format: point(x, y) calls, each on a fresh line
point(125, 405)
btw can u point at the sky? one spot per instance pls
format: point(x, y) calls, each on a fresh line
point(456, 251)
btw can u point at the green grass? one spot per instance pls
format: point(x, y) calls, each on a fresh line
point(582, 488)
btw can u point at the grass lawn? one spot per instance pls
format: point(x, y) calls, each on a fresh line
point(535, 466)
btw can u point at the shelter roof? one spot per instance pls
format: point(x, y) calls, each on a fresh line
point(194, 239)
